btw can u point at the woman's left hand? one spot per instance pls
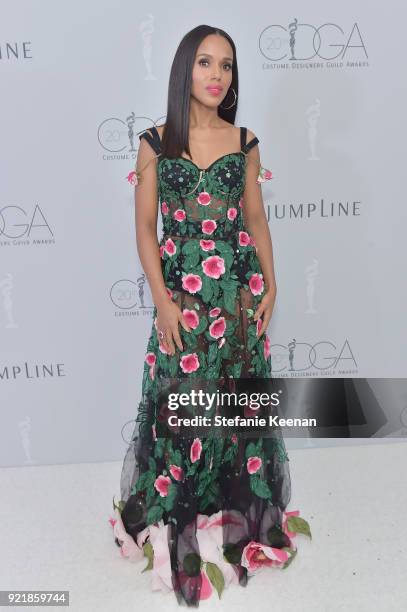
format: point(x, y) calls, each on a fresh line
point(265, 309)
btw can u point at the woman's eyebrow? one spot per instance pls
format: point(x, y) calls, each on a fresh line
point(209, 55)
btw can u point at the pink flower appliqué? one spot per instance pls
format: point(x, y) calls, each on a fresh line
point(253, 464)
point(267, 347)
point(255, 556)
point(133, 178)
point(214, 312)
point(217, 328)
point(209, 226)
point(161, 484)
point(164, 208)
point(207, 245)
point(204, 198)
point(213, 266)
point(258, 325)
point(241, 203)
point(232, 212)
point(170, 247)
point(196, 450)
point(150, 359)
point(176, 472)
point(191, 317)
point(162, 249)
point(244, 239)
point(284, 525)
point(256, 283)
point(189, 363)
point(264, 175)
point(179, 214)
point(192, 283)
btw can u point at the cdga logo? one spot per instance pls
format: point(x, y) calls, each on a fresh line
point(322, 356)
point(303, 41)
point(129, 295)
point(119, 136)
point(16, 223)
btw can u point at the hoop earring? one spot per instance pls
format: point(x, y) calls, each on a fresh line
point(234, 102)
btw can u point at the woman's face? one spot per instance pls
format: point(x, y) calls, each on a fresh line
point(212, 71)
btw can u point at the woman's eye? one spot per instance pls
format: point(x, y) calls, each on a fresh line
point(205, 61)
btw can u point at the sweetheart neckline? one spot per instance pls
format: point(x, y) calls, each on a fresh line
point(210, 165)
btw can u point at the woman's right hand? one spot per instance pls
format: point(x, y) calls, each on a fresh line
point(169, 316)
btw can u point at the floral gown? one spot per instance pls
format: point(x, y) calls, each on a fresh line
point(204, 513)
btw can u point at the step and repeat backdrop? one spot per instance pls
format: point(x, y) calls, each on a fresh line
point(324, 92)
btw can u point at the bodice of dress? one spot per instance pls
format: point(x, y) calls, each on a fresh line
point(198, 201)
point(193, 200)
point(202, 210)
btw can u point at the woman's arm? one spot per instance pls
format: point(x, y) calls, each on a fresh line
point(256, 222)
point(146, 212)
point(255, 217)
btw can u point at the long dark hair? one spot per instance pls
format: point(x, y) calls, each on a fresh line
point(175, 135)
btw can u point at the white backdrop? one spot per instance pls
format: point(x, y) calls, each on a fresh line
point(323, 92)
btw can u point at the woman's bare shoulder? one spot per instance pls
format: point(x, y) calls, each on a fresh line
point(235, 131)
point(250, 135)
point(232, 133)
point(160, 129)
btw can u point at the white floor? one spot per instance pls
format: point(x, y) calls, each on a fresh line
point(55, 534)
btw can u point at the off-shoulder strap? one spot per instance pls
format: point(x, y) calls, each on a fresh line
point(154, 140)
point(245, 147)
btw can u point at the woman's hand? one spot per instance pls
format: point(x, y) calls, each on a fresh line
point(169, 316)
point(265, 309)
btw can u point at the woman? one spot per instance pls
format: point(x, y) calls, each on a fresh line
point(205, 510)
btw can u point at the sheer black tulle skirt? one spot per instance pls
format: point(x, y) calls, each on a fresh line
point(205, 512)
